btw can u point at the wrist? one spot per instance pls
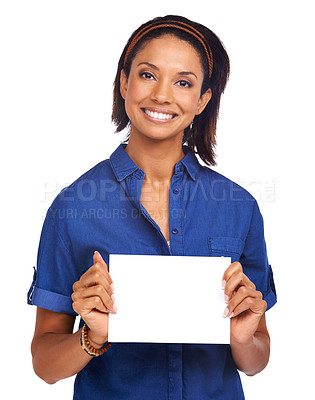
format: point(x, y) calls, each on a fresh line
point(96, 340)
point(88, 347)
point(245, 342)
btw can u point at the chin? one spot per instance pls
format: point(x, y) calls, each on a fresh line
point(162, 136)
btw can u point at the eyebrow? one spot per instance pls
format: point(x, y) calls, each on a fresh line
point(182, 73)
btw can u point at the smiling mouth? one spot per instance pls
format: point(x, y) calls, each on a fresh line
point(157, 115)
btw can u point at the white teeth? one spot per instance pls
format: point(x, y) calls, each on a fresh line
point(158, 115)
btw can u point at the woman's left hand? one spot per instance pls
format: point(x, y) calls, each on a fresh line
point(245, 305)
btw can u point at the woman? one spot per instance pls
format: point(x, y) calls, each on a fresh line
point(153, 197)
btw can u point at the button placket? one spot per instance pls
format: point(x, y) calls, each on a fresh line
point(175, 214)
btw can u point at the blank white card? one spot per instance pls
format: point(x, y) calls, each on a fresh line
point(168, 299)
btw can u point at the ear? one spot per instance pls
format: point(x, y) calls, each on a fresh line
point(203, 101)
point(123, 84)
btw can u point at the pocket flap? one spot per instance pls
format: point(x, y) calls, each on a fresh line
point(225, 246)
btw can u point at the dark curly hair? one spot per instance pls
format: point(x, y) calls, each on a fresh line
point(201, 138)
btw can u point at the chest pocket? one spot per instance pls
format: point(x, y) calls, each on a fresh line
point(226, 247)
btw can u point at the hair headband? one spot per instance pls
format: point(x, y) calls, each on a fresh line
point(173, 24)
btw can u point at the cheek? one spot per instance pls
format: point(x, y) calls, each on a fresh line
point(134, 91)
point(134, 95)
point(190, 102)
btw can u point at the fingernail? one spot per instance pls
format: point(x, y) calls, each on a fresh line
point(225, 313)
point(97, 252)
point(223, 284)
point(113, 298)
point(226, 298)
point(115, 308)
point(232, 315)
point(112, 287)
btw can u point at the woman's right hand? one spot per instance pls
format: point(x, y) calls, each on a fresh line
point(93, 299)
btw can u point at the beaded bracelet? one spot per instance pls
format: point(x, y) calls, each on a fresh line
point(86, 345)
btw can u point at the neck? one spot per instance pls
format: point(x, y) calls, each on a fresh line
point(156, 158)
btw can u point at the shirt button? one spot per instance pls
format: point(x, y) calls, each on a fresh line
point(175, 191)
point(174, 231)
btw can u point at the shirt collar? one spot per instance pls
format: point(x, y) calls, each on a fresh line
point(191, 163)
point(123, 165)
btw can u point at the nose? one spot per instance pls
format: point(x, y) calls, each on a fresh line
point(162, 92)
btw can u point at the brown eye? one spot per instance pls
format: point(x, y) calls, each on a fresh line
point(146, 75)
point(184, 84)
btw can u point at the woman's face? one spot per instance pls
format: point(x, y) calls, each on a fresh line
point(162, 92)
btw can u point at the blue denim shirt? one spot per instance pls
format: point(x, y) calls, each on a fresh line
point(208, 216)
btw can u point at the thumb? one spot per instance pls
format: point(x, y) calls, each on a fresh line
point(97, 258)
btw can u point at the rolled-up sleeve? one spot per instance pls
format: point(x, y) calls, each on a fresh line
point(255, 260)
point(56, 269)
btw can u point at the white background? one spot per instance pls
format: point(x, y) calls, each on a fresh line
point(58, 61)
